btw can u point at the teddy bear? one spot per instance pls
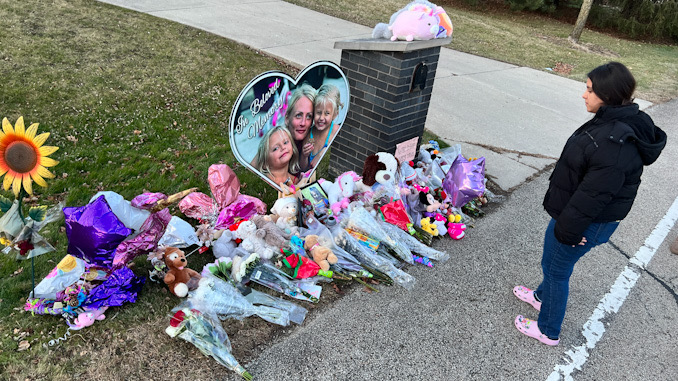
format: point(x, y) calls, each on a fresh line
point(253, 242)
point(178, 276)
point(284, 212)
point(272, 234)
point(321, 255)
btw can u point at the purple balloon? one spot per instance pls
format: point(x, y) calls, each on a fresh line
point(94, 232)
point(464, 181)
point(120, 287)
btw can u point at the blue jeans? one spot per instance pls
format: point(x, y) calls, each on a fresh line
point(557, 263)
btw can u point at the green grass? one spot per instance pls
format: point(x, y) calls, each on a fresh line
point(135, 104)
point(531, 40)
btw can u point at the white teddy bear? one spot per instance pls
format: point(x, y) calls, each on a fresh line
point(252, 242)
point(286, 211)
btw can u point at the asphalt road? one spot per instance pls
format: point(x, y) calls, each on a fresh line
point(457, 324)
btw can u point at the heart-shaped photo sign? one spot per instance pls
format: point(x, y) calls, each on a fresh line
point(281, 127)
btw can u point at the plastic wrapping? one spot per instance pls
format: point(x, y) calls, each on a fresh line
point(413, 244)
point(361, 220)
point(220, 297)
point(269, 276)
point(346, 260)
point(179, 233)
point(297, 313)
point(370, 259)
point(206, 333)
point(130, 216)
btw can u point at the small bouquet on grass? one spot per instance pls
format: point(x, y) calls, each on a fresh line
point(206, 333)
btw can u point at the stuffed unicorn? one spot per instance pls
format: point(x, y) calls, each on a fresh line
point(338, 192)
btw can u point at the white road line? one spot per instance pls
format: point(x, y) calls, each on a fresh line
point(594, 328)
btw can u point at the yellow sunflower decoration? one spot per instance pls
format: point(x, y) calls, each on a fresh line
point(23, 158)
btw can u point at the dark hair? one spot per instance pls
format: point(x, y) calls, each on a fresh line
point(613, 83)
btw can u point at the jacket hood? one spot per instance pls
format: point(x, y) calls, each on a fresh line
point(632, 124)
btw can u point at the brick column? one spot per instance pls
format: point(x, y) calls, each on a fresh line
point(386, 108)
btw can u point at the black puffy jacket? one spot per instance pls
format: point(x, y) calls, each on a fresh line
point(598, 173)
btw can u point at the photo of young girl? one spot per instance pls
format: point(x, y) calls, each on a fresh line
point(277, 157)
point(326, 107)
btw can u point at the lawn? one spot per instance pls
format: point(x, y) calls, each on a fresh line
point(138, 104)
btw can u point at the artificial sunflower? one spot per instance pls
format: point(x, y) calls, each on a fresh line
point(23, 158)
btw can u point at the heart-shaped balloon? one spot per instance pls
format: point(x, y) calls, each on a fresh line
point(281, 127)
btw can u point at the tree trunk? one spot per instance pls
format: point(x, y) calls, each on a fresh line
point(581, 21)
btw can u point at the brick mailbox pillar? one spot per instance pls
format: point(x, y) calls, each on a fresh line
point(390, 84)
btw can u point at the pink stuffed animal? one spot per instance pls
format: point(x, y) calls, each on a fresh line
point(414, 25)
point(456, 230)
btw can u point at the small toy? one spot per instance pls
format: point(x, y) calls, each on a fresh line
point(338, 192)
point(456, 230)
point(418, 20)
point(423, 260)
point(285, 214)
point(178, 276)
point(272, 234)
point(85, 319)
point(321, 255)
point(253, 242)
point(429, 226)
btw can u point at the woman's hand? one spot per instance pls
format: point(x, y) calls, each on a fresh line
point(307, 149)
point(582, 243)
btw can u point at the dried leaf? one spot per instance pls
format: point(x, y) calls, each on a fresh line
point(24, 345)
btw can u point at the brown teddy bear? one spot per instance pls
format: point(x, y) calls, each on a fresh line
point(178, 276)
point(321, 255)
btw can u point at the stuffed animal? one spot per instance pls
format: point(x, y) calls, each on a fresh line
point(178, 276)
point(456, 230)
point(418, 20)
point(85, 319)
point(338, 192)
point(429, 226)
point(380, 168)
point(252, 242)
point(272, 234)
point(285, 214)
point(321, 255)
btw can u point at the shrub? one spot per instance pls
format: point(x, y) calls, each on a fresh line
point(638, 18)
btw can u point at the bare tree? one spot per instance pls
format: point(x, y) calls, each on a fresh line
point(581, 21)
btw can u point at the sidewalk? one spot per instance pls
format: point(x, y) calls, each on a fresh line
point(516, 117)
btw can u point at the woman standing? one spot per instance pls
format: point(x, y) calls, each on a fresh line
point(592, 188)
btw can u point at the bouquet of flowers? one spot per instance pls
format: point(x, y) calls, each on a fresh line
point(413, 244)
point(223, 299)
point(361, 221)
point(206, 333)
point(270, 276)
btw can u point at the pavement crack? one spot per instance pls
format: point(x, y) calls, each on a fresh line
point(622, 252)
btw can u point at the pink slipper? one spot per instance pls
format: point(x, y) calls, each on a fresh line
point(526, 295)
point(529, 328)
